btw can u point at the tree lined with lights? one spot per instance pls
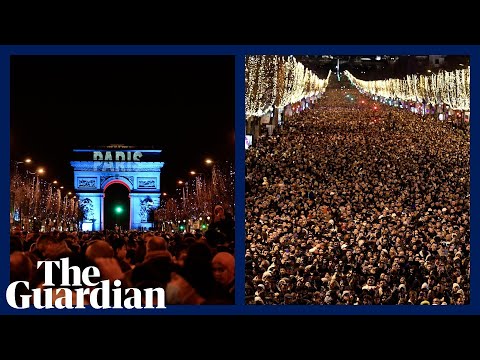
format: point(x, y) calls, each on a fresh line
point(35, 203)
point(448, 87)
point(277, 81)
point(196, 203)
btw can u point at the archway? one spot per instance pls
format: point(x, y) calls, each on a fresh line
point(117, 206)
point(117, 176)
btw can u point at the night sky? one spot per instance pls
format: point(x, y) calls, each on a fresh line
point(182, 105)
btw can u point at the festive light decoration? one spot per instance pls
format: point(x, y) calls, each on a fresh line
point(197, 198)
point(38, 205)
point(448, 87)
point(275, 82)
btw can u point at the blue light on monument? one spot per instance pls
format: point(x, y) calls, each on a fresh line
point(137, 170)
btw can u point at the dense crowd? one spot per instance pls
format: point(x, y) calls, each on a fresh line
point(356, 202)
point(192, 267)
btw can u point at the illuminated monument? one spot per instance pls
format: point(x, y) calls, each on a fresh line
point(138, 170)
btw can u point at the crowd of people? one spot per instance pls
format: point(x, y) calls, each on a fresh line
point(192, 267)
point(353, 202)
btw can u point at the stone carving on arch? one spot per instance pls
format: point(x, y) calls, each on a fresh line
point(86, 205)
point(129, 180)
point(104, 180)
point(146, 207)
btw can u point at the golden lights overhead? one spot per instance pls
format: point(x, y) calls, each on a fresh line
point(272, 80)
point(449, 87)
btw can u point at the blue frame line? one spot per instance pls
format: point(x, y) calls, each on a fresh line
point(239, 52)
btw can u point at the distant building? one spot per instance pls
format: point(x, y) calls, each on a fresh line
point(436, 60)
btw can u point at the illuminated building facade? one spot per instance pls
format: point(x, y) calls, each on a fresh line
point(136, 169)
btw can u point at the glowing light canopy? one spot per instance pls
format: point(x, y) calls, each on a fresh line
point(448, 87)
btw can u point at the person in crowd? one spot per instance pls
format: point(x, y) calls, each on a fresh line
point(119, 246)
point(187, 278)
point(223, 266)
point(220, 235)
point(351, 203)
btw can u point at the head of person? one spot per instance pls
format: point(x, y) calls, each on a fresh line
point(50, 247)
point(218, 213)
point(223, 267)
point(157, 246)
point(119, 246)
point(21, 267)
point(98, 249)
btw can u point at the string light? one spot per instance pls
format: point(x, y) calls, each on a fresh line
point(199, 201)
point(35, 199)
point(448, 87)
point(273, 81)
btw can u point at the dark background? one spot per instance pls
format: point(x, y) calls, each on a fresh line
point(182, 105)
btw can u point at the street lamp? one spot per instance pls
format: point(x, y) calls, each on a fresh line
point(196, 174)
point(26, 161)
point(36, 189)
point(209, 168)
point(163, 200)
point(66, 210)
point(198, 188)
point(184, 186)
